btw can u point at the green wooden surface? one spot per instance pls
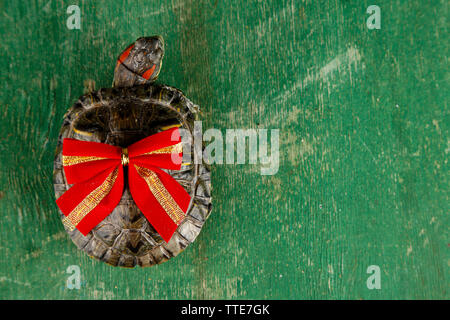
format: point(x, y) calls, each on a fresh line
point(363, 118)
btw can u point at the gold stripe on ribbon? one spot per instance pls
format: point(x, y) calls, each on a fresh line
point(176, 148)
point(73, 160)
point(161, 194)
point(90, 202)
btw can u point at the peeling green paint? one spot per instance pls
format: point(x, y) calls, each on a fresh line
point(363, 119)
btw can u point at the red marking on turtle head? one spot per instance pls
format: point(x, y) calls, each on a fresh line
point(125, 54)
point(147, 74)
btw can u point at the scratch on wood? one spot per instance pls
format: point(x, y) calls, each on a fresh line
point(345, 60)
point(5, 279)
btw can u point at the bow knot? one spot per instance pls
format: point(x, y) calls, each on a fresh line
point(124, 157)
point(96, 172)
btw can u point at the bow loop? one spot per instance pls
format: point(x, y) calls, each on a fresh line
point(155, 142)
point(162, 150)
point(96, 170)
point(83, 160)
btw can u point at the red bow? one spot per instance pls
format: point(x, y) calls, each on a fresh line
point(96, 170)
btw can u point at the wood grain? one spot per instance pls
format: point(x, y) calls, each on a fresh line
point(363, 119)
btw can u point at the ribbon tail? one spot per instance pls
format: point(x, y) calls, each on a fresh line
point(160, 198)
point(86, 204)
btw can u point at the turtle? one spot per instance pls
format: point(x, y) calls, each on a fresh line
point(136, 107)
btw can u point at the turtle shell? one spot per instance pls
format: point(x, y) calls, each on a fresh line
point(120, 117)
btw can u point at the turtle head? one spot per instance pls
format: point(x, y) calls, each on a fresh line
point(140, 62)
